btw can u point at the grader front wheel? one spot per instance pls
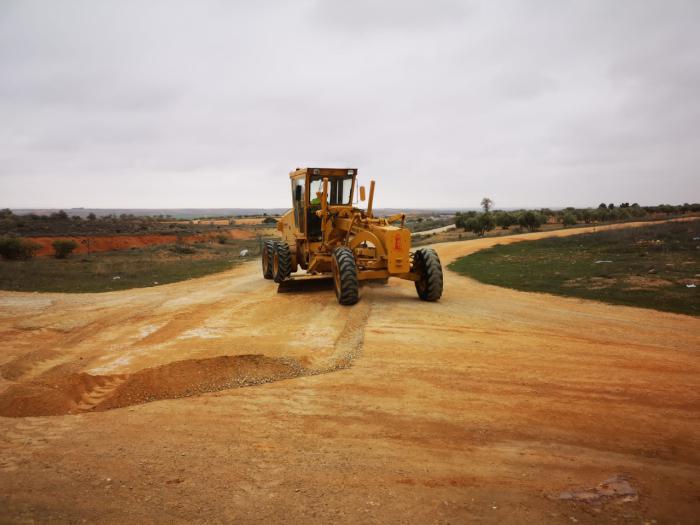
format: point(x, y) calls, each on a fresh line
point(347, 285)
point(427, 264)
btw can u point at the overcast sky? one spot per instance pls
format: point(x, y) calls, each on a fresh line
point(211, 104)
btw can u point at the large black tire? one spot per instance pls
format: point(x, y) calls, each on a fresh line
point(267, 253)
point(347, 285)
point(427, 264)
point(281, 262)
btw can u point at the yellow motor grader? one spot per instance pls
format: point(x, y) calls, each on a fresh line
point(326, 235)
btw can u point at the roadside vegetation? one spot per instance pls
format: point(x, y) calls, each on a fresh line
point(492, 222)
point(480, 223)
point(655, 266)
point(121, 270)
point(60, 223)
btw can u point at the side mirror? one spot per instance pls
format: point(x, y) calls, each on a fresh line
point(297, 193)
point(362, 193)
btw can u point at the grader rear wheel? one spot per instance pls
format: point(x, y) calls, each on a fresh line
point(281, 262)
point(347, 285)
point(427, 264)
point(267, 254)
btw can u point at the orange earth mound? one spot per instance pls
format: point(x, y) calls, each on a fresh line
point(108, 243)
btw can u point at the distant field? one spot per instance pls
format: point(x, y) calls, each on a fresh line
point(121, 270)
point(649, 267)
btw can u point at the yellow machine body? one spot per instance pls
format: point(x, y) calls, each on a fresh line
point(324, 217)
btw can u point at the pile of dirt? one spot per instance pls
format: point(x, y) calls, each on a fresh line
point(83, 392)
point(198, 376)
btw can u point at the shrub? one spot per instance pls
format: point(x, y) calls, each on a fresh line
point(531, 220)
point(569, 219)
point(272, 220)
point(222, 239)
point(471, 224)
point(63, 247)
point(504, 219)
point(480, 224)
point(13, 249)
point(183, 249)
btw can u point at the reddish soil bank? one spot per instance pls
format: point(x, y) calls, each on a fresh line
point(108, 243)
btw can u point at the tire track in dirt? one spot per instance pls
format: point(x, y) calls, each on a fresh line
point(45, 360)
point(81, 392)
point(349, 343)
point(23, 366)
point(23, 440)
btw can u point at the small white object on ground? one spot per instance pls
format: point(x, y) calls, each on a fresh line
point(244, 253)
point(598, 262)
point(116, 277)
point(690, 286)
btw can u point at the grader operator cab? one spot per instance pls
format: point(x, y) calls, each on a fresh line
point(326, 235)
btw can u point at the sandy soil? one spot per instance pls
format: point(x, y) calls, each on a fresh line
point(108, 243)
point(490, 406)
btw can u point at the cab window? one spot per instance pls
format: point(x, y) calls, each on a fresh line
point(339, 190)
point(298, 186)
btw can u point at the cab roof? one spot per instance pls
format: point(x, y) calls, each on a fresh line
point(323, 172)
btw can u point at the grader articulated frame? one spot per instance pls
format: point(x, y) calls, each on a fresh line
point(326, 236)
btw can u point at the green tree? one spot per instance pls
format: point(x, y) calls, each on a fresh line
point(601, 215)
point(480, 224)
point(471, 224)
point(461, 219)
point(586, 215)
point(569, 219)
point(504, 219)
point(531, 220)
point(486, 204)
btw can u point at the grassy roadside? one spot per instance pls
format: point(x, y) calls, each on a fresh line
point(648, 267)
point(122, 270)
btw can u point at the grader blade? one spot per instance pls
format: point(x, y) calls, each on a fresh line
point(306, 283)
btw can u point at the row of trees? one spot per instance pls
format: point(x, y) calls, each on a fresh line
point(62, 216)
point(480, 223)
point(531, 220)
point(60, 223)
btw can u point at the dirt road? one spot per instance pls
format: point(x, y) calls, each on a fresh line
point(490, 406)
point(435, 230)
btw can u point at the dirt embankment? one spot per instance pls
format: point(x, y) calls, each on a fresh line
point(108, 243)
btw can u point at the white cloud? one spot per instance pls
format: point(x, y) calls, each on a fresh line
point(186, 104)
